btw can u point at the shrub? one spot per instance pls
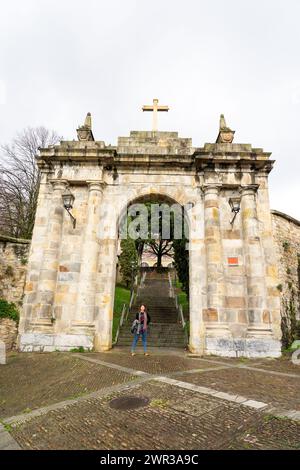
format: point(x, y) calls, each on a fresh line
point(9, 271)
point(285, 245)
point(8, 310)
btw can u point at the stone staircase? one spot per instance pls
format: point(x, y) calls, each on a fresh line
point(165, 330)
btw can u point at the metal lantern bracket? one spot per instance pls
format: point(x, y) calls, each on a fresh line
point(68, 201)
point(235, 204)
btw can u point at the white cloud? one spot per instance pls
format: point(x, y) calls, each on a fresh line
point(62, 58)
point(2, 92)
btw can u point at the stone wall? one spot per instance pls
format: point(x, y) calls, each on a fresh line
point(13, 261)
point(287, 238)
point(8, 333)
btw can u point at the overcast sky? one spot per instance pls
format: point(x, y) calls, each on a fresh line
point(60, 59)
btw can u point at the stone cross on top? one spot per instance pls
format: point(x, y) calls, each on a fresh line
point(155, 108)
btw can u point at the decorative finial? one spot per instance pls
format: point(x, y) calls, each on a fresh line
point(226, 134)
point(88, 121)
point(222, 122)
point(85, 132)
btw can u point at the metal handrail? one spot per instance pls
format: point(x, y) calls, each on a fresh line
point(126, 308)
point(177, 304)
point(183, 322)
point(120, 323)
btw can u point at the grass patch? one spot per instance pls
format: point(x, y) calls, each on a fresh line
point(122, 296)
point(158, 403)
point(183, 299)
point(78, 350)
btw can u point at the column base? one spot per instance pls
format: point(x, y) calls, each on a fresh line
point(43, 342)
point(259, 331)
point(217, 329)
point(100, 345)
point(243, 347)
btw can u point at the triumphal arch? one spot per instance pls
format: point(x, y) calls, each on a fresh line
point(234, 302)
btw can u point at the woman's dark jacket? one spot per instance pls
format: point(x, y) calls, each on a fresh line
point(148, 317)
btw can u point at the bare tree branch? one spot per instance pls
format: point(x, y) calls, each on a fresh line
point(19, 180)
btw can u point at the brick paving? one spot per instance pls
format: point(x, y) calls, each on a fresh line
point(153, 364)
point(283, 365)
point(176, 417)
point(276, 390)
point(30, 381)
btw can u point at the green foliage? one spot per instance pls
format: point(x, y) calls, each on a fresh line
point(8, 310)
point(286, 245)
point(9, 271)
point(128, 261)
point(187, 328)
point(181, 261)
point(80, 349)
point(122, 296)
point(183, 300)
point(280, 287)
point(290, 326)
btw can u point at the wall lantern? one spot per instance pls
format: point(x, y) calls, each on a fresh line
point(235, 204)
point(68, 201)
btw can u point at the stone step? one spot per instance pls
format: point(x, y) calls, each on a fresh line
point(155, 344)
point(167, 334)
point(165, 331)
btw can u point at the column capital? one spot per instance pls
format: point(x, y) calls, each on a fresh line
point(95, 185)
point(212, 188)
point(250, 189)
point(59, 184)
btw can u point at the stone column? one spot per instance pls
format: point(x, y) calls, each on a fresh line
point(106, 275)
point(105, 298)
point(255, 267)
point(216, 327)
point(197, 275)
point(85, 307)
point(35, 258)
point(42, 310)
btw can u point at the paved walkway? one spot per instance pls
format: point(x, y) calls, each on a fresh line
point(63, 401)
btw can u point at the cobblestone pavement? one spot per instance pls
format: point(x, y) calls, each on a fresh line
point(31, 381)
point(154, 364)
point(276, 390)
point(185, 410)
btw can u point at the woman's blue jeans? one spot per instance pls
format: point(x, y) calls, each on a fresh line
point(136, 338)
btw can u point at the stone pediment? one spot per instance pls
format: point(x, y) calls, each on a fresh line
point(155, 143)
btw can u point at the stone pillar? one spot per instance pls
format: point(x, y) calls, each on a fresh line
point(85, 307)
point(258, 313)
point(48, 275)
point(105, 298)
point(216, 328)
point(197, 275)
point(35, 258)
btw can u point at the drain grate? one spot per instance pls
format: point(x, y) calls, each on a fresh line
point(128, 403)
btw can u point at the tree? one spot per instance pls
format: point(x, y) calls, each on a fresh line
point(181, 260)
point(128, 260)
point(155, 243)
point(19, 180)
point(160, 248)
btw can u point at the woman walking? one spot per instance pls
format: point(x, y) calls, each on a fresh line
point(140, 329)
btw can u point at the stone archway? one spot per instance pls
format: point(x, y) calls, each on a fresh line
point(234, 302)
point(108, 255)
